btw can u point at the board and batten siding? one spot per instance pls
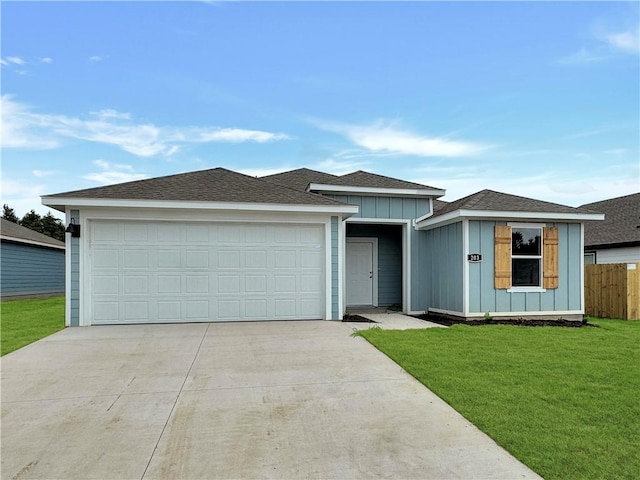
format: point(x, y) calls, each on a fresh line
point(74, 294)
point(484, 297)
point(31, 270)
point(386, 207)
point(441, 268)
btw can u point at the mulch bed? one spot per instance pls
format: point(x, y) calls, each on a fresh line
point(448, 321)
point(356, 318)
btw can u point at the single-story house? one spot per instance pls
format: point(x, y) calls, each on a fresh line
point(31, 264)
point(617, 238)
point(216, 245)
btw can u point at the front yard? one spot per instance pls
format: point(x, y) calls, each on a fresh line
point(565, 401)
point(24, 321)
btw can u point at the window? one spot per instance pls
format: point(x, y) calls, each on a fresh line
point(526, 256)
point(590, 258)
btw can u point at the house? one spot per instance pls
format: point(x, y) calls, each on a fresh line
point(617, 238)
point(216, 245)
point(31, 264)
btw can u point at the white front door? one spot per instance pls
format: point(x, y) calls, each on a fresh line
point(360, 271)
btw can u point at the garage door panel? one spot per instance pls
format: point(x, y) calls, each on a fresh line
point(205, 272)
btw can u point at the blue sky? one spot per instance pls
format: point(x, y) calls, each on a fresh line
point(535, 99)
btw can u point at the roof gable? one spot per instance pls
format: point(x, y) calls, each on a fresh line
point(14, 232)
point(214, 185)
point(621, 223)
point(300, 178)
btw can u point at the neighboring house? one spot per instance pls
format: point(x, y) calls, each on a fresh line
point(216, 245)
point(31, 264)
point(617, 239)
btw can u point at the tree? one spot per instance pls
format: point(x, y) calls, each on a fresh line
point(32, 220)
point(9, 213)
point(52, 227)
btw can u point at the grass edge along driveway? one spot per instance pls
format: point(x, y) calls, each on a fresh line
point(24, 321)
point(564, 401)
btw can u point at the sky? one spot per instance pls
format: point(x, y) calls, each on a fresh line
point(537, 99)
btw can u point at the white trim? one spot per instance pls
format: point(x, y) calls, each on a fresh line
point(381, 221)
point(261, 207)
point(582, 305)
point(376, 191)
point(328, 314)
point(374, 265)
point(67, 276)
point(30, 242)
point(84, 276)
point(532, 313)
point(341, 270)
point(503, 215)
point(465, 266)
point(526, 289)
point(415, 312)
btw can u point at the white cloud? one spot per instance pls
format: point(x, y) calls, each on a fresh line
point(24, 128)
point(114, 173)
point(582, 57)
point(615, 151)
point(383, 137)
point(95, 59)
point(338, 166)
point(261, 172)
point(4, 62)
point(46, 60)
point(15, 60)
point(24, 196)
point(43, 173)
point(628, 41)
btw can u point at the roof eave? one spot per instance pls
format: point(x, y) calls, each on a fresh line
point(61, 203)
point(375, 191)
point(8, 238)
point(462, 214)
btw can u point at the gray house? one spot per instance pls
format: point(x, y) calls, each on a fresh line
point(617, 238)
point(31, 264)
point(216, 245)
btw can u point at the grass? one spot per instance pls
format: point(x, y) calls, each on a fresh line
point(564, 401)
point(24, 321)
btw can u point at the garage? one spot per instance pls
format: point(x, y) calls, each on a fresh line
point(168, 272)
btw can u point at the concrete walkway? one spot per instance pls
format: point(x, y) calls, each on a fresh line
point(393, 321)
point(282, 400)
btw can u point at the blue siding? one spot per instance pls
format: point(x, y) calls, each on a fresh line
point(386, 207)
point(483, 297)
point(441, 267)
point(389, 259)
point(31, 270)
point(335, 293)
point(74, 295)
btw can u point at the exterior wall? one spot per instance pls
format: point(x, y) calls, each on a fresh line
point(441, 268)
point(400, 209)
point(386, 207)
point(31, 270)
point(483, 297)
point(616, 255)
point(389, 259)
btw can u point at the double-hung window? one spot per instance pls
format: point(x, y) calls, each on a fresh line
point(526, 256)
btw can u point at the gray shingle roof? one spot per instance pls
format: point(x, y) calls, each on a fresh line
point(373, 180)
point(300, 178)
point(15, 231)
point(621, 224)
point(503, 202)
point(214, 185)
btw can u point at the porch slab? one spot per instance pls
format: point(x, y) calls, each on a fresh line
point(392, 321)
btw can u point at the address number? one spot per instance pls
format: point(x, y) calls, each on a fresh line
point(474, 257)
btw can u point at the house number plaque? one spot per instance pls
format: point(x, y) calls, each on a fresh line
point(474, 257)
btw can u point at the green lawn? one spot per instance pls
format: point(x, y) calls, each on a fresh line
point(565, 401)
point(24, 321)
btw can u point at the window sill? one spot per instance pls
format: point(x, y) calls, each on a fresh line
point(526, 290)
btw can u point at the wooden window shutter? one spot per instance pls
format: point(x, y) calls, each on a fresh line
point(502, 259)
point(550, 257)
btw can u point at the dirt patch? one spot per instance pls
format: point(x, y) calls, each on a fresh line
point(356, 318)
point(524, 322)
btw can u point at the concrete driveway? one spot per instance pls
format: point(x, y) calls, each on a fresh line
point(233, 400)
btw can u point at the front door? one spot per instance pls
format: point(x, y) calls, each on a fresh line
point(360, 272)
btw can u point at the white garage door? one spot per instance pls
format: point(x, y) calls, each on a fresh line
point(194, 272)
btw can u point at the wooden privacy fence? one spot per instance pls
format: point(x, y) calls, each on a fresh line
point(612, 290)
